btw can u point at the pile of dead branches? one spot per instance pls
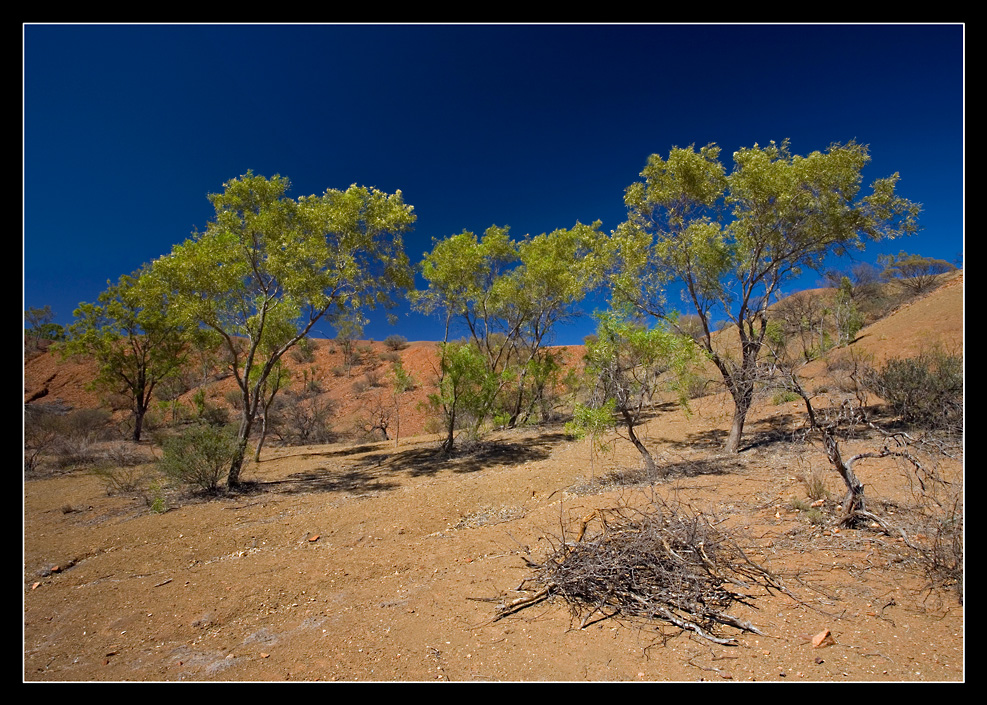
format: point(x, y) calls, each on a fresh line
point(659, 563)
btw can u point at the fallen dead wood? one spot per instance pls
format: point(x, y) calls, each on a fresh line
point(658, 563)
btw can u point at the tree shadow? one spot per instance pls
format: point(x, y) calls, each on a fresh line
point(712, 440)
point(779, 428)
point(696, 467)
point(380, 469)
point(358, 479)
point(478, 456)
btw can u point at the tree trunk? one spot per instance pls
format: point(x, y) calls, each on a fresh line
point(233, 478)
point(263, 436)
point(853, 502)
point(450, 440)
point(649, 461)
point(741, 405)
point(138, 423)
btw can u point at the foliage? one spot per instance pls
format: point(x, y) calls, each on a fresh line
point(632, 365)
point(133, 340)
point(510, 296)
point(915, 273)
point(39, 326)
point(734, 239)
point(595, 421)
point(401, 379)
point(466, 389)
point(199, 456)
point(269, 267)
point(925, 390)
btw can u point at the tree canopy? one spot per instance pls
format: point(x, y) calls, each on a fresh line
point(732, 239)
point(136, 344)
point(269, 267)
point(510, 295)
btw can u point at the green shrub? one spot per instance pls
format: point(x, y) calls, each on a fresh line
point(784, 397)
point(199, 456)
point(926, 390)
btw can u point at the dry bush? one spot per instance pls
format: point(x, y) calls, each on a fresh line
point(396, 342)
point(925, 390)
point(933, 526)
point(64, 439)
point(302, 419)
point(658, 563)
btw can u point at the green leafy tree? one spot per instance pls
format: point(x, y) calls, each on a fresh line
point(511, 296)
point(401, 382)
point(633, 366)
point(733, 239)
point(556, 271)
point(268, 268)
point(465, 390)
point(595, 421)
point(348, 331)
point(136, 345)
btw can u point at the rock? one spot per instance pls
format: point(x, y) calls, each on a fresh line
point(823, 638)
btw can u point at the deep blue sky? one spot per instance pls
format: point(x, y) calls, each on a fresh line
point(127, 128)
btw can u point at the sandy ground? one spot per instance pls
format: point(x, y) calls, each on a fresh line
point(375, 562)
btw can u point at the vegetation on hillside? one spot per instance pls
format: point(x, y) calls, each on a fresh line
point(236, 305)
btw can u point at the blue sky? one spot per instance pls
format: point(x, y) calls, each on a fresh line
point(128, 128)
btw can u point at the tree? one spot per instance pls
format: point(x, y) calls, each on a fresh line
point(268, 268)
point(848, 318)
point(465, 390)
point(915, 273)
point(733, 239)
point(510, 296)
point(401, 382)
point(132, 339)
point(276, 380)
point(39, 326)
point(556, 271)
point(631, 365)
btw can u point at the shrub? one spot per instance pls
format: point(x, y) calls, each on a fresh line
point(199, 456)
point(41, 430)
point(302, 419)
point(126, 479)
point(784, 397)
point(303, 351)
point(396, 342)
point(69, 438)
point(926, 390)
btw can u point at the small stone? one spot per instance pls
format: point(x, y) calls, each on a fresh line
point(823, 638)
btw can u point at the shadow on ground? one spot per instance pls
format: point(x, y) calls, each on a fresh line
point(374, 469)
